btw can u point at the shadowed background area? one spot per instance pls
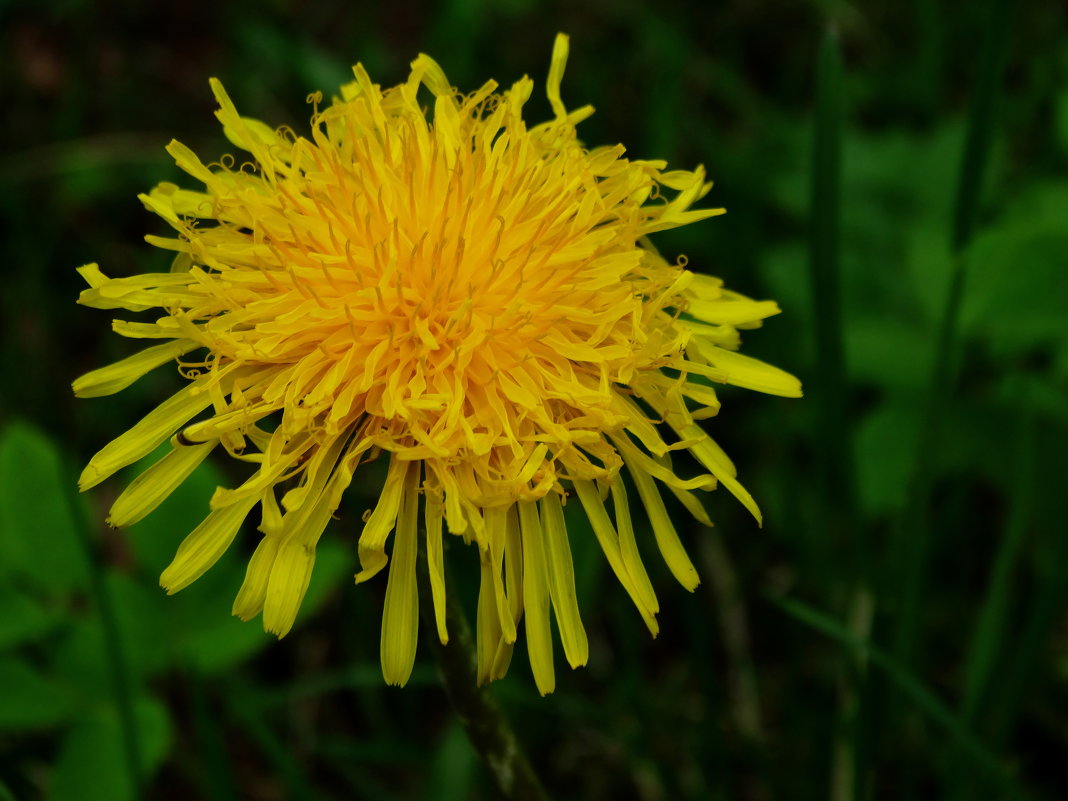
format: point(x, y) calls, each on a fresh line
point(897, 629)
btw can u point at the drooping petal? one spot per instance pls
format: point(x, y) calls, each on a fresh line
point(400, 617)
point(562, 582)
point(536, 599)
point(115, 377)
point(153, 486)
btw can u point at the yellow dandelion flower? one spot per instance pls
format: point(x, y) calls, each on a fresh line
point(470, 298)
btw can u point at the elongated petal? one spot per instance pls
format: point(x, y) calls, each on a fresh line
point(400, 617)
point(436, 563)
point(202, 549)
point(609, 541)
point(562, 582)
point(382, 520)
point(628, 548)
point(146, 435)
point(667, 539)
point(745, 371)
point(536, 599)
point(153, 486)
point(253, 591)
point(109, 380)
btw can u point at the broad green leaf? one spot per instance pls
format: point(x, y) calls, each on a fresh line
point(38, 538)
point(142, 618)
point(1018, 288)
point(452, 770)
point(28, 700)
point(93, 763)
point(884, 449)
point(24, 618)
point(1060, 107)
point(886, 352)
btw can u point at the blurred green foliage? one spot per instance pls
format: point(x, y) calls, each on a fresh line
point(744, 695)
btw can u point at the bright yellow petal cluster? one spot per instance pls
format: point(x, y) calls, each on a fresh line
point(429, 281)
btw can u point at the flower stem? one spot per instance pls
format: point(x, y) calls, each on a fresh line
point(485, 724)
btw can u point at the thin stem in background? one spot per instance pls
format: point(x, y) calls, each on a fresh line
point(913, 540)
point(991, 635)
point(217, 777)
point(244, 711)
point(485, 724)
point(831, 396)
point(743, 693)
point(922, 698)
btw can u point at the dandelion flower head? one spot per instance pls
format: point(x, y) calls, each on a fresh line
point(428, 281)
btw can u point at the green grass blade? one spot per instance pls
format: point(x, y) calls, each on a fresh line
point(923, 699)
point(830, 389)
point(982, 123)
point(992, 625)
point(831, 399)
point(991, 635)
point(218, 782)
point(912, 537)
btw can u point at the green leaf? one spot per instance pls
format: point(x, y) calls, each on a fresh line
point(221, 642)
point(1018, 288)
point(81, 661)
point(28, 700)
point(883, 352)
point(24, 618)
point(92, 762)
point(452, 771)
point(883, 464)
point(38, 539)
point(1060, 109)
point(141, 616)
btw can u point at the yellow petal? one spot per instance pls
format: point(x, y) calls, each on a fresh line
point(745, 371)
point(628, 547)
point(118, 376)
point(487, 621)
point(253, 592)
point(495, 527)
point(609, 541)
point(400, 617)
point(711, 456)
point(288, 582)
point(536, 599)
point(731, 312)
point(557, 63)
point(562, 582)
point(382, 520)
point(513, 568)
point(146, 436)
point(667, 539)
point(153, 486)
point(202, 548)
point(436, 562)
point(301, 528)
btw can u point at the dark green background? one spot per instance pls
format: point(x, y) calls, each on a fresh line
point(762, 684)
